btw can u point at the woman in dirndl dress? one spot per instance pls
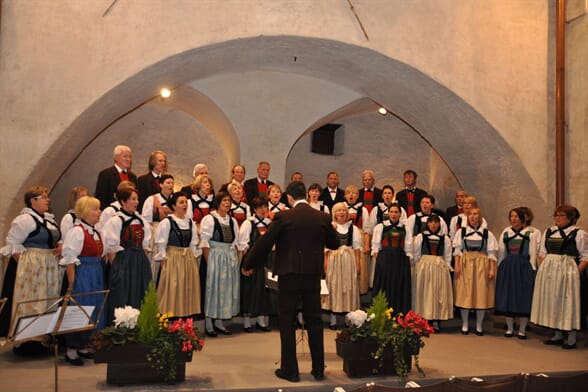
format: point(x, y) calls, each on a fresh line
point(274, 197)
point(126, 240)
point(342, 267)
point(218, 241)
point(432, 286)
point(70, 219)
point(176, 242)
point(312, 196)
point(475, 249)
point(155, 209)
point(518, 246)
point(360, 218)
point(563, 258)
point(255, 296)
point(392, 249)
point(82, 256)
point(33, 244)
point(239, 209)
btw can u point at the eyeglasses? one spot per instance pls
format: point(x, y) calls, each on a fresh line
point(41, 197)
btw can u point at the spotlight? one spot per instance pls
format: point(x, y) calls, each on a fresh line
point(165, 92)
point(382, 110)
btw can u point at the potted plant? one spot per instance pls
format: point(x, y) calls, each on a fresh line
point(145, 346)
point(378, 343)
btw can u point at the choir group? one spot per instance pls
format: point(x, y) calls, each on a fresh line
point(191, 243)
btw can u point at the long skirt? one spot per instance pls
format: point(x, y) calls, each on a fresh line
point(433, 289)
point(222, 281)
point(37, 277)
point(178, 291)
point(392, 276)
point(556, 299)
point(473, 289)
point(89, 277)
point(341, 281)
point(364, 270)
point(255, 297)
point(155, 265)
point(130, 274)
point(515, 280)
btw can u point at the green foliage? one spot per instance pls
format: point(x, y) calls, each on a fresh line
point(148, 321)
point(381, 322)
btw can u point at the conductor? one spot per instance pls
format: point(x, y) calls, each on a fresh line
point(300, 235)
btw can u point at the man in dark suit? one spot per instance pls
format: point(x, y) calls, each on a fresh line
point(257, 187)
point(109, 178)
point(457, 208)
point(369, 195)
point(410, 198)
point(332, 194)
point(149, 183)
point(300, 236)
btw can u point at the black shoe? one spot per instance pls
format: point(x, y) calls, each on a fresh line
point(223, 331)
point(522, 337)
point(465, 332)
point(551, 342)
point(437, 329)
point(318, 375)
point(508, 335)
point(261, 328)
point(248, 329)
point(299, 325)
point(566, 346)
point(333, 327)
point(280, 374)
point(211, 334)
point(479, 333)
point(77, 361)
point(86, 354)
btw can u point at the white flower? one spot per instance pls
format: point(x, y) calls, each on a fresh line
point(371, 317)
point(357, 317)
point(126, 317)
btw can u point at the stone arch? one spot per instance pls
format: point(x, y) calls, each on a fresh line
point(439, 115)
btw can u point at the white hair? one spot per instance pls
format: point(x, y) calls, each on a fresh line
point(120, 149)
point(197, 168)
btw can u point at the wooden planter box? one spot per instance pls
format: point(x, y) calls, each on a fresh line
point(358, 360)
point(128, 364)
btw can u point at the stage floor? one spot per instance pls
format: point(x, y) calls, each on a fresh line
point(247, 362)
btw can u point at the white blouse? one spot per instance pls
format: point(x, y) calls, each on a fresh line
point(20, 228)
point(491, 243)
point(112, 230)
point(245, 232)
point(581, 241)
point(377, 238)
point(67, 222)
point(418, 243)
point(207, 228)
point(356, 237)
point(534, 239)
point(74, 243)
point(162, 236)
point(108, 213)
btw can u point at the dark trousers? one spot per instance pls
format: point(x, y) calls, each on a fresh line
point(292, 289)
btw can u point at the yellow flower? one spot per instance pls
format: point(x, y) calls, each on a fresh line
point(389, 313)
point(163, 319)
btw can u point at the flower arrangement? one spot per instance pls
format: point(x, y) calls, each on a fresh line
point(378, 324)
point(150, 328)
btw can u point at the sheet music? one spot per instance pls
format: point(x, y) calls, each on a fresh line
point(32, 326)
point(75, 318)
